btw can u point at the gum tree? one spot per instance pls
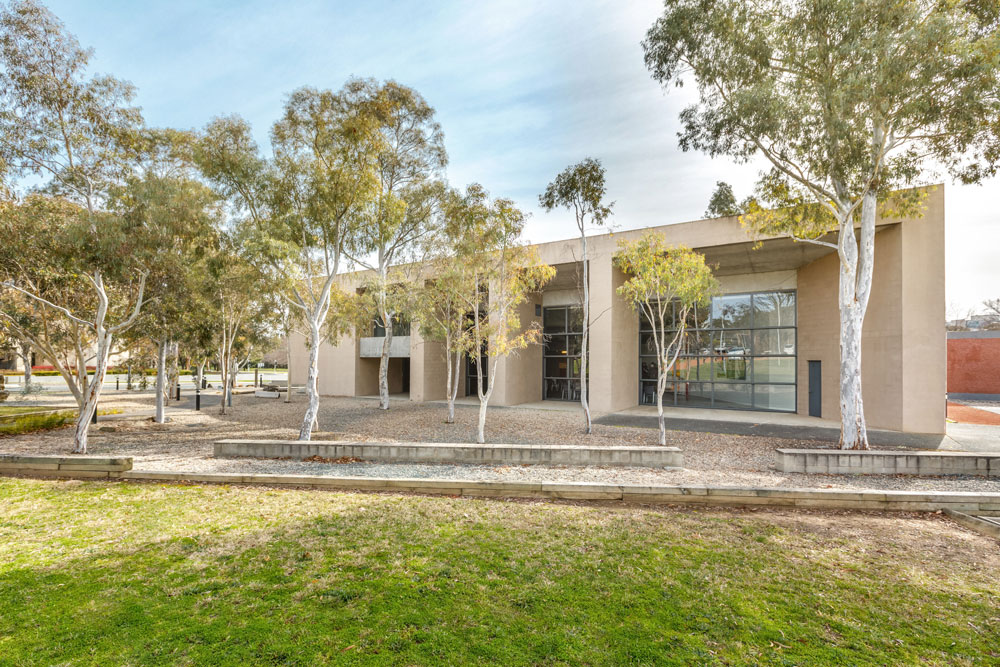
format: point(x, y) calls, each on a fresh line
point(441, 304)
point(72, 137)
point(580, 188)
point(300, 208)
point(502, 273)
point(664, 283)
point(409, 160)
point(849, 102)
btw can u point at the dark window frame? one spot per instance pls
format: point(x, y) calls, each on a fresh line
point(567, 381)
point(711, 355)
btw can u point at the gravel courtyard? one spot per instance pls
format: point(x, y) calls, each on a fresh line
point(185, 444)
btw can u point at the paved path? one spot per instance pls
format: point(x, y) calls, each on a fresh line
point(770, 430)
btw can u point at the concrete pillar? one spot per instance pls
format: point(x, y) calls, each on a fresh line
point(519, 375)
point(614, 339)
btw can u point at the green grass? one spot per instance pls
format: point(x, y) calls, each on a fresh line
point(40, 422)
point(104, 573)
point(6, 410)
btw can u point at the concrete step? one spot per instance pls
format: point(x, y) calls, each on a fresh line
point(454, 453)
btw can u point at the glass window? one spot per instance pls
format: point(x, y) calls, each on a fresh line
point(555, 367)
point(555, 320)
point(726, 369)
point(554, 346)
point(774, 369)
point(731, 312)
point(733, 396)
point(774, 309)
point(734, 342)
point(731, 348)
point(574, 323)
point(774, 341)
point(563, 328)
point(774, 397)
point(693, 394)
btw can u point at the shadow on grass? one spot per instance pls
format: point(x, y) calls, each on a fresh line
point(406, 580)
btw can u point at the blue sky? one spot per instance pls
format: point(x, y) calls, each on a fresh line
point(521, 89)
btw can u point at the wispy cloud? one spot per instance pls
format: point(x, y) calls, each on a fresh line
point(522, 88)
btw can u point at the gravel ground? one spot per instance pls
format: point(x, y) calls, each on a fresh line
point(185, 444)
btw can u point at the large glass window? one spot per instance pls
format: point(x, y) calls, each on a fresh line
point(563, 329)
point(738, 352)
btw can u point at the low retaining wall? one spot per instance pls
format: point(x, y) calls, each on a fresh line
point(654, 495)
point(63, 466)
point(396, 452)
point(987, 525)
point(880, 462)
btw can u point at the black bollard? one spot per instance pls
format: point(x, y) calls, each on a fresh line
point(197, 398)
point(93, 417)
point(117, 381)
point(178, 389)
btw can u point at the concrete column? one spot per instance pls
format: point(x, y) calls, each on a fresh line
point(519, 375)
point(924, 367)
point(427, 368)
point(614, 339)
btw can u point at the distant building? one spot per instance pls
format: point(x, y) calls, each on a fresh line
point(974, 365)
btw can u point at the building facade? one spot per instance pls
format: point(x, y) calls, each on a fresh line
point(768, 342)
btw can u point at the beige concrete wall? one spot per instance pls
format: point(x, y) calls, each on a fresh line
point(519, 375)
point(903, 350)
point(925, 353)
point(614, 339)
point(427, 368)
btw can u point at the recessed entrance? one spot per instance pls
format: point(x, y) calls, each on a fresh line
point(563, 329)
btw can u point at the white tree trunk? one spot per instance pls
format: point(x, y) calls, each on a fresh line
point(856, 265)
point(312, 374)
point(585, 351)
point(453, 371)
point(383, 366)
point(660, 386)
point(288, 364)
point(161, 384)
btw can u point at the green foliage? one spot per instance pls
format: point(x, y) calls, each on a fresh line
point(723, 203)
point(230, 575)
point(842, 97)
point(660, 273)
point(581, 189)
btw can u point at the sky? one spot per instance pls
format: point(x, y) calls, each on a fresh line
point(521, 88)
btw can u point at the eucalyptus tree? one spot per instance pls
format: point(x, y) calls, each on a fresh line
point(580, 188)
point(165, 197)
point(848, 101)
point(441, 302)
point(70, 136)
point(299, 209)
point(663, 284)
point(501, 274)
point(409, 160)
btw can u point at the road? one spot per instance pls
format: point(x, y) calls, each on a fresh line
point(54, 384)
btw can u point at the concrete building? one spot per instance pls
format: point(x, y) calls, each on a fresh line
point(768, 343)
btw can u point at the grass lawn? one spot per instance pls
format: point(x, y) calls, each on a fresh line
point(6, 410)
point(113, 573)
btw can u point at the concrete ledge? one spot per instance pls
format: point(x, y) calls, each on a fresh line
point(656, 495)
point(881, 462)
point(989, 527)
point(63, 466)
point(408, 452)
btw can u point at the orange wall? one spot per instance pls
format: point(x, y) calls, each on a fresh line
point(974, 365)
